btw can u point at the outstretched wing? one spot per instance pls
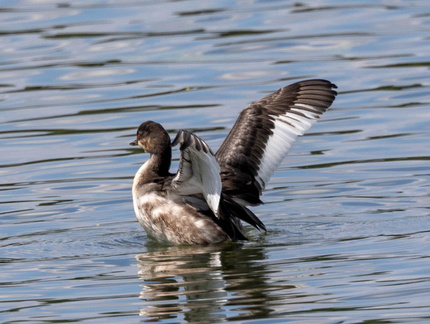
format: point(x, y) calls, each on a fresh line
point(199, 171)
point(264, 133)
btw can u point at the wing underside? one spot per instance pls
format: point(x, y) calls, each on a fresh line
point(199, 171)
point(264, 133)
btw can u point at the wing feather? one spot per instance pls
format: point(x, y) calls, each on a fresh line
point(264, 133)
point(199, 171)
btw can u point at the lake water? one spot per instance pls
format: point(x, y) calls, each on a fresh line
point(348, 211)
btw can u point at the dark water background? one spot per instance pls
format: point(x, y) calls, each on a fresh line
point(348, 212)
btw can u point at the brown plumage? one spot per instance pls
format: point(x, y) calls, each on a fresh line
point(205, 201)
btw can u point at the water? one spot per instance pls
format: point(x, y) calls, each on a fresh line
point(348, 212)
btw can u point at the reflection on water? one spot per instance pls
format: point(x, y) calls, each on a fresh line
point(347, 212)
point(201, 282)
point(346, 279)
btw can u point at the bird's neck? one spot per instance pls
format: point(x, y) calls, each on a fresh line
point(159, 163)
point(156, 167)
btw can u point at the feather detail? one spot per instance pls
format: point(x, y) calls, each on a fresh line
point(199, 171)
point(264, 133)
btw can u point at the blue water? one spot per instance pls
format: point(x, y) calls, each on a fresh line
point(348, 211)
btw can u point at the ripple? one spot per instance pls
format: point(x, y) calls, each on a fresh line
point(347, 211)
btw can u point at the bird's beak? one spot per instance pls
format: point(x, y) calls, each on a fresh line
point(134, 143)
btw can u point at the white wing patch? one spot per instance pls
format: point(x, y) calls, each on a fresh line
point(286, 129)
point(199, 171)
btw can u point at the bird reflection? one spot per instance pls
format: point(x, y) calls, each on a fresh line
point(210, 284)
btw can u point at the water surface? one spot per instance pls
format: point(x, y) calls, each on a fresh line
point(348, 211)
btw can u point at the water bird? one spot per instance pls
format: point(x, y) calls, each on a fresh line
point(207, 199)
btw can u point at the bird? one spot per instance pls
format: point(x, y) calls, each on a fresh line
point(207, 199)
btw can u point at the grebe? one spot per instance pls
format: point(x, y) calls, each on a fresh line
point(205, 201)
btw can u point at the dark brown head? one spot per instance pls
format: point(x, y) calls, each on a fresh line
point(152, 138)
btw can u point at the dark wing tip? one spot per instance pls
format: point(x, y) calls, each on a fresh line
point(315, 84)
point(187, 139)
point(179, 138)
